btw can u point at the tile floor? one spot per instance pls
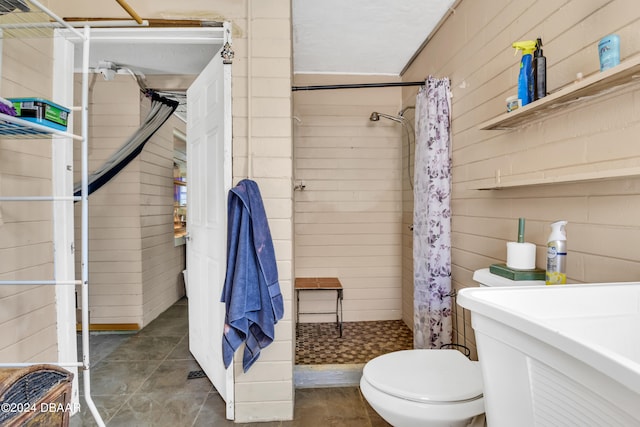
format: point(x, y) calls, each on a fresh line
point(140, 380)
point(320, 343)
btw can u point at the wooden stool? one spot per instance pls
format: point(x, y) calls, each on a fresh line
point(320, 284)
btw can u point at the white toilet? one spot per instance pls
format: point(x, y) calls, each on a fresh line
point(420, 388)
point(428, 388)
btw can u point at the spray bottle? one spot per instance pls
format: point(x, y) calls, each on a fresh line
point(557, 254)
point(539, 71)
point(525, 77)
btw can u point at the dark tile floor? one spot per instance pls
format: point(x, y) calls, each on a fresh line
point(140, 380)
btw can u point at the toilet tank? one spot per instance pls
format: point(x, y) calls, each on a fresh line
point(485, 278)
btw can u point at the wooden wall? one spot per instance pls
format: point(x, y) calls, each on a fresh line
point(27, 313)
point(348, 215)
point(115, 235)
point(473, 48)
point(162, 261)
point(135, 268)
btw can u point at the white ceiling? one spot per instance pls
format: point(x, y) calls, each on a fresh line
point(153, 50)
point(361, 36)
point(329, 37)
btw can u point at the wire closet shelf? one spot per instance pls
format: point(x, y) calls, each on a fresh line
point(25, 20)
point(20, 19)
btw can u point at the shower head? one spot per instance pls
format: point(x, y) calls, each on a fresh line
point(408, 129)
point(375, 116)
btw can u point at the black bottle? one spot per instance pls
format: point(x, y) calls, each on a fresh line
point(539, 72)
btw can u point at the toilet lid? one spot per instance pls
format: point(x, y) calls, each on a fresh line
point(428, 376)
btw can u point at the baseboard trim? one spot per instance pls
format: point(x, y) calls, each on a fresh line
point(333, 375)
point(110, 327)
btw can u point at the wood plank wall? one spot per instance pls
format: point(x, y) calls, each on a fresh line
point(115, 244)
point(473, 48)
point(348, 215)
point(135, 269)
point(27, 313)
point(162, 261)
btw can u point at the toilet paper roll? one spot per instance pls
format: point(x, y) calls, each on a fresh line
point(521, 256)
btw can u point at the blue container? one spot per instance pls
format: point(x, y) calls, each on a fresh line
point(609, 51)
point(42, 112)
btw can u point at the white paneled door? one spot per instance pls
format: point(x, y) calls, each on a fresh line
point(209, 175)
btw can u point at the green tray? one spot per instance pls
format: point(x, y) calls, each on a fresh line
point(504, 271)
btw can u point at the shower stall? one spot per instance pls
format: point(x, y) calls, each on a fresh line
point(348, 190)
point(353, 199)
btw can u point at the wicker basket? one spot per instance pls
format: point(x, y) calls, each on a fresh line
point(37, 395)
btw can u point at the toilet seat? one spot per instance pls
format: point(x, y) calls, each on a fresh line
point(426, 376)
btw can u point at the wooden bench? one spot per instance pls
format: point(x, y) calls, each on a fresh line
point(320, 284)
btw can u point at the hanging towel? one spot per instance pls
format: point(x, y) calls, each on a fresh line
point(251, 290)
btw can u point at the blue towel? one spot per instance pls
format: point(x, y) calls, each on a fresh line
point(251, 290)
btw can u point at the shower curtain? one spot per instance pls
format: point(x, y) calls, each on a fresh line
point(432, 216)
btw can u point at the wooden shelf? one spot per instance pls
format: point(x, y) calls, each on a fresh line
point(599, 83)
point(514, 182)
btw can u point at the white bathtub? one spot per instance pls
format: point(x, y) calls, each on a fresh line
point(558, 355)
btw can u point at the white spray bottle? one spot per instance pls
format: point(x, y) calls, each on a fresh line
point(557, 254)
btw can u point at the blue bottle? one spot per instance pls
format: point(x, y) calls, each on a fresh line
point(609, 51)
point(526, 87)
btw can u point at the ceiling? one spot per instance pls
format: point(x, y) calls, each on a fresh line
point(361, 36)
point(152, 51)
point(329, 37)
point(372, 37)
